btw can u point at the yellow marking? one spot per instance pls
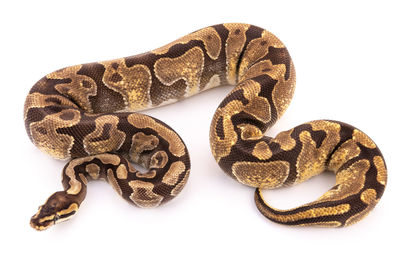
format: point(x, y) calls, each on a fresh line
point(311, 160)
point(249, 132)
point(255, 50)
point(285, 141)
point(381, 169)
point(343, 154)
point(307, 214)
point(261, 174)
point(172, 175)
point(222, 147)
point(348, 181)
point(369, 198)
point(284, 89)
point(233, 48)
point(258, 106)
point(262, 151)
point(71, 208)
point(47, 218)
point(363, 139)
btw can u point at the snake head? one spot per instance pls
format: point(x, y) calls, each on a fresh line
point(59, 207)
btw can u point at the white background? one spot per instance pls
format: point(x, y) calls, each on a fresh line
point(347, 60)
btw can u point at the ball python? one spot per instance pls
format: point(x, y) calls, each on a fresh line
point(87, 114)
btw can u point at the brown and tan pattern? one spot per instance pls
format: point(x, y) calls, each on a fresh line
point(85, 113)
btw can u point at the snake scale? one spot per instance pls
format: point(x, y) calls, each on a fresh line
point(85, 113)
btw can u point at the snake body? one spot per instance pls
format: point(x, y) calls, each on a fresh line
point(86, 113)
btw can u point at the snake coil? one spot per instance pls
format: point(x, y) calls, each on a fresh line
point(85, 113)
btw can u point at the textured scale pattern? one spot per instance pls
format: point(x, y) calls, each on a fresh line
point(86, 113)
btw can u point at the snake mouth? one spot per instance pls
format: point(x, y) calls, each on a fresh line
point(41, 224)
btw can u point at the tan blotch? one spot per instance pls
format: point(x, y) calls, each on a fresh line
point(285, 141)
point(178, 188)
point(213, 82)
point(363, 139)
point(369, 198)
point(133, 83)
point(79, 87)
point(233, 48)
point(46, 137)
point(284, 89)
point(176, 146)
point(122, 172)
point(261, 174)
point(143, 195)
point(159, 159)
point(93, 170)
point(38, 100)
point(257, 49)
point(83, 178)
point(109, 159)
point(343, 154)
point(323, 224)
point(262, 151)
point(106, 137)
point(311, 160)
point(249, 132)
point(172, 175)
point(111, 180)
point(188, 67)
point(381, 169)
point(307, 214)
point(142, 142)
point(75, 186)
point(221, 147)
point(348, 181)
point(148, 175)
point(258, 106)
point(208, 36)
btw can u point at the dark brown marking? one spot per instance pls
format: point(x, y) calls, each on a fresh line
point(115, 77)
point(67, 116)
point(41, 130)
point(86, 84)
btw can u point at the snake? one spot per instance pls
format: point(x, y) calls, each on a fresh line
point(88, 114)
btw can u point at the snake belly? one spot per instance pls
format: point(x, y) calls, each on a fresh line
point(86, 113)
